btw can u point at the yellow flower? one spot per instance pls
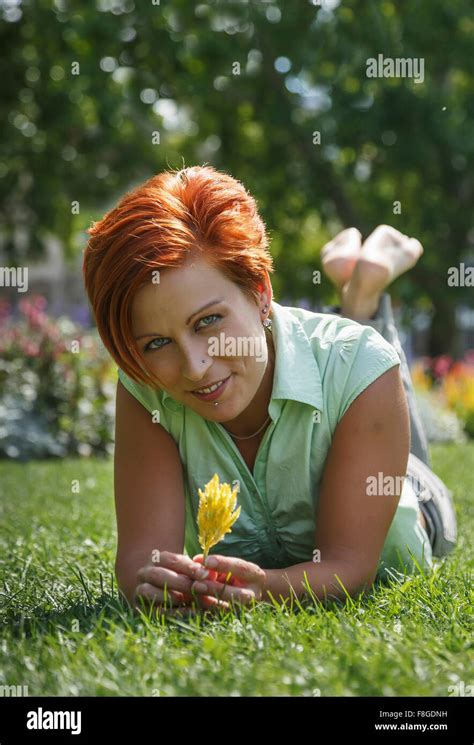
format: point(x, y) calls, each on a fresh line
point(420, 379)
point(458, 388)
point(215, 514)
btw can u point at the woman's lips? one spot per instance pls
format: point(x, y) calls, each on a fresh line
point(214, 394)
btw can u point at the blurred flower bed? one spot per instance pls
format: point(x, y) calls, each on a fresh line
point(445, 392)
point(54, 400)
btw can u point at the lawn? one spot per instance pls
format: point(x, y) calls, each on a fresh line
point(66, 633)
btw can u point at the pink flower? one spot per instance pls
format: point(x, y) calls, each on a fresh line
point(37, 319)
point(30, 349)
point(40, 302)
point(441, 365)
point(24, 305)
point(5, 310)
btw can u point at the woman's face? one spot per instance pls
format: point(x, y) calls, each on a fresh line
point(197, 327)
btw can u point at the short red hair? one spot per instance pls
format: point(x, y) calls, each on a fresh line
point(162, 223)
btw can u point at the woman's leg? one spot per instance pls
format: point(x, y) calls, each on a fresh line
point(384, 322)
point(384, 256)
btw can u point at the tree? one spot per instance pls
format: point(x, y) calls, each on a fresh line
point(276, 94)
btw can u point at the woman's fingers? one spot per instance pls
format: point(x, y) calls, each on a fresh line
point(158, 576)
point(178, 563)
point(225, 592)
point(171, 572)
point(147, 594)
point(197, 559)
point(155, 595)
point(248, 580)
point(228, 579)
point(246, 571)
point(224, 577)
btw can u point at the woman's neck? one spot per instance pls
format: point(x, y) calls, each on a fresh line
point(256, 412)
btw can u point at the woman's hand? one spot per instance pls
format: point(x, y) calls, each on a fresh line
point(176, 573)
point(237, 580)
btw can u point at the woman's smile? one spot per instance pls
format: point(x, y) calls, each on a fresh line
point(215, 391)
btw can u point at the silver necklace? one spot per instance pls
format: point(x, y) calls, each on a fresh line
point(248, 437)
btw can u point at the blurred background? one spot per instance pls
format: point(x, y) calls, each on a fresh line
point(97, 98)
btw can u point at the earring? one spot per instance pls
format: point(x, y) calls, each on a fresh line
point(268, 321)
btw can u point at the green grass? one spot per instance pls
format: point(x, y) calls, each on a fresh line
point(65, 632)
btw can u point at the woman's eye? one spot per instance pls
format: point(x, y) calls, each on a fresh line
point(150, 348)
point(214, 315)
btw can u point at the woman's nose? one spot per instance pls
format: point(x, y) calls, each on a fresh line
point(195, 363)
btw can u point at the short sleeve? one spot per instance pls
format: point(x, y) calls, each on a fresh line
point(363, 355)
point(147, 396)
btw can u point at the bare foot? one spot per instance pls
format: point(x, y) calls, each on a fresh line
point(340, 255)
point(385, 255)
point(390, 250)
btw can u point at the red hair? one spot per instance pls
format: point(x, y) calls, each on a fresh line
point(162, 223)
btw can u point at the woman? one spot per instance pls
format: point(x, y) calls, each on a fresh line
point(310, 416)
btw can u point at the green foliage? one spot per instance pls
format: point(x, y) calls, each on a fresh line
point(205, 77)
point(57, 387)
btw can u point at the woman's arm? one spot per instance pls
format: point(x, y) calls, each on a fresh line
point(149, 490)
point(372, 437)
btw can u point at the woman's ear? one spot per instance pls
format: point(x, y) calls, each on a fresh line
point(266, 285)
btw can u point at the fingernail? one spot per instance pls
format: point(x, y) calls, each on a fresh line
point(202, 573)
point(211, 561)
point(200, 586)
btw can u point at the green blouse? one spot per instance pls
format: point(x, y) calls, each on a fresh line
point(323, 362)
